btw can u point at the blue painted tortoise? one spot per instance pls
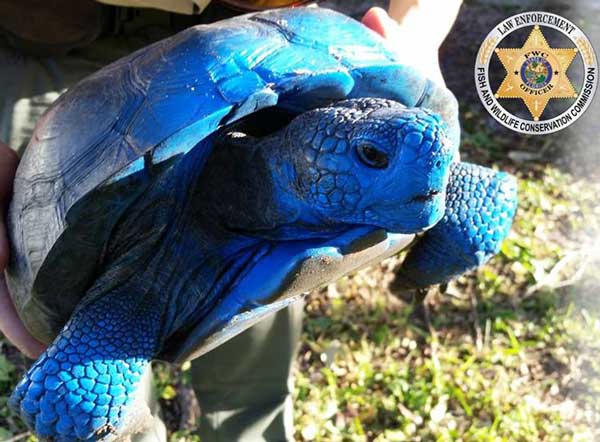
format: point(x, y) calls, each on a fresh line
point(179, 194)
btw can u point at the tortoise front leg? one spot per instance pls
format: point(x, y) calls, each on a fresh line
point(85, 386)
point(480, 206)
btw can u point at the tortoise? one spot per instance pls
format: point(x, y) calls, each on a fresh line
point(178, 195)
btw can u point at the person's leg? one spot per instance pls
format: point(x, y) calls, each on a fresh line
point(244, 386)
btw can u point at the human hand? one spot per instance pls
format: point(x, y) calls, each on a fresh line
point(10, 323)
point(416, 28)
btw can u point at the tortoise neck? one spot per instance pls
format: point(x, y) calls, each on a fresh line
point(245, 186)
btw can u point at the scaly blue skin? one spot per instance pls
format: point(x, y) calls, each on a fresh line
point(83, 387)
point(356, 163)
point(480, 206)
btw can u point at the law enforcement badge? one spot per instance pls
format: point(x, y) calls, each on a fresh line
point(536, 73)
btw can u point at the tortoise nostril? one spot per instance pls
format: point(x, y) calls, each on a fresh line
point(438, 163)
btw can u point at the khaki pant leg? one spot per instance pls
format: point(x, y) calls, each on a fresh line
point(244, 386)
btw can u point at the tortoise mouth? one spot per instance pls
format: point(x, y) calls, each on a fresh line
point(425, 197)
point(415, 215)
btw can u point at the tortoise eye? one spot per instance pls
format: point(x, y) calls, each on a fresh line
point(372, 157)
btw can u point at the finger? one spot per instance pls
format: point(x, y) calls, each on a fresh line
point(12, 327)
point(378, 20)
point(8, 166)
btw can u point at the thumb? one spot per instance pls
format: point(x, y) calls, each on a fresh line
point(10, 324)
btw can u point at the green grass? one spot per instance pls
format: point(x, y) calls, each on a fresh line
point(507, 353)
point(502, 354)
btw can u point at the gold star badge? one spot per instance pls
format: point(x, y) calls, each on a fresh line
point(536, 73)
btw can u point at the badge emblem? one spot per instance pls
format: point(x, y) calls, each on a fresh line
point(536, 73)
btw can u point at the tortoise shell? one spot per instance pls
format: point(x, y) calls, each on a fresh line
point(102, 142)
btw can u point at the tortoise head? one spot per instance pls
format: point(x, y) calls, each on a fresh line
point(366, 161)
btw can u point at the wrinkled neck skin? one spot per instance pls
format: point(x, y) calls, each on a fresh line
point(197, 229)
point(246, 187)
